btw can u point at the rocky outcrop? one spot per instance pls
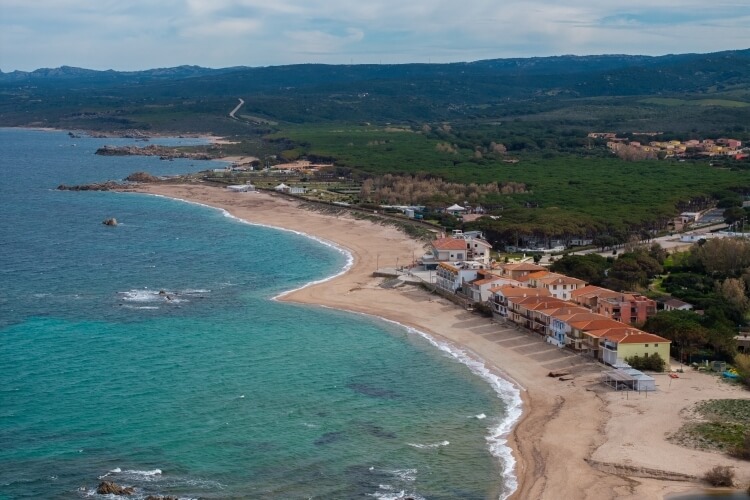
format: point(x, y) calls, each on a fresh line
point(163, 152)
point(110, 488)
point(101, 186)
point(141, 177)
point(110, 222)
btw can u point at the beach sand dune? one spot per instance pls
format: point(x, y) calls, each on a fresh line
point(576, 439)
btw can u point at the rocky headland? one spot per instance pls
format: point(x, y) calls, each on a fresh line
point(163, 152)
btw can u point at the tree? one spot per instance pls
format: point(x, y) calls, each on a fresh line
point(734, 214)
point(683, 328)
point(653, 363)
point(733, 291)
point(590, 268)
point(721, 257)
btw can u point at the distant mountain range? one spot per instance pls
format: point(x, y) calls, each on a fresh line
point(577, 75)
point(552, 88)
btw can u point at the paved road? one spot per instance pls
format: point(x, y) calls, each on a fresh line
point(236, 108)
point(668, 242)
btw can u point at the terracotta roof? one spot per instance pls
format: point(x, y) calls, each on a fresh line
point(517, 291)
point(537, 274)
point(523, 266)
point(545, 305)
point(594, 291)
point(568, 310)
point(484, 281)
point(600, 323)
point(581, 318)
point(626, 335)
point(449, 244)
point(556, 279)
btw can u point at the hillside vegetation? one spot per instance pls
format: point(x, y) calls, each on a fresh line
point(522, 121)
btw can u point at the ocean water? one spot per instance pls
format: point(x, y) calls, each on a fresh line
point(152, 354)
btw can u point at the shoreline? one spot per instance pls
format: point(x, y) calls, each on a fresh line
point(572, 429)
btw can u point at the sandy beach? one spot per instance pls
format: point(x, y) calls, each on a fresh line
point(576, 439)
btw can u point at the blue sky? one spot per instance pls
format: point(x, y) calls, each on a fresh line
point(141, 34)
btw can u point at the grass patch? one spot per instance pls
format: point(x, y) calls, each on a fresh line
point(668, 101)
point(718, 424)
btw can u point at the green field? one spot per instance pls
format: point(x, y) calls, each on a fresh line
point(666, 101)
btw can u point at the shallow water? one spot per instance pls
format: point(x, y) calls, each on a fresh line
point(150, 354)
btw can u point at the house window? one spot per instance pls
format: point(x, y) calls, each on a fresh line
point(554, 287)
point(645, 345)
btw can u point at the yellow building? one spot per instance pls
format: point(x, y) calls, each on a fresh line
point(619, 344)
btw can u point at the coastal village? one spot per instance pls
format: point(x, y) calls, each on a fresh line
point(564, 311)
point(726, 147)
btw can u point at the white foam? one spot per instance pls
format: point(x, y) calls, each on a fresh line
point(396, 496)
point(481, 416)
point(427, 446)
point(330, 244)
point(507, 391)
point(147, 295)
point(113, 471)
point(146, 473)
point(403, 474)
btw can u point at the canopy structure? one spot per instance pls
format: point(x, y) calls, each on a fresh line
point(455, 208)
point(629, 379)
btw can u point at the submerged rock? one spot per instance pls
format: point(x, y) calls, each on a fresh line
point(110, 488)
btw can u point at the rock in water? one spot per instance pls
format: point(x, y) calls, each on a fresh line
point(110, 488)
point(141, 177)
point(110, 222)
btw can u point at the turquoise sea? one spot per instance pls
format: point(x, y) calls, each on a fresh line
point(152, 354)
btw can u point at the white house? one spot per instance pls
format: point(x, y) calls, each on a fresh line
point(456, 210)
point(451, 277)
point(677, 305)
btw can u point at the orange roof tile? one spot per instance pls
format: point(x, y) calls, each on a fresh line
point(518, 291)
point(449, 244)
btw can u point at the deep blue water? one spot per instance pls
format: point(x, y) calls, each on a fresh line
point(152, 354)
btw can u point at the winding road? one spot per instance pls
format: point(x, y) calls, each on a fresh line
point(236, 108)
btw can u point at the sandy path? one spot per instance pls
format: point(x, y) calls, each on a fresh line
point(564, 423)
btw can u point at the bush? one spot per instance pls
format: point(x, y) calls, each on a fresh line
point(742, 365)
point(720, 476)
point(743, 449)
point(653, 363)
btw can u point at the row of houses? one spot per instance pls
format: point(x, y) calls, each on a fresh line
point(705, 147)
point(566, 311)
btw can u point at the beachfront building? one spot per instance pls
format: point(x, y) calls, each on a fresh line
point(620, 344)
point(501, 297)
point(558, 285)
point(521, 311)
point(478, 290)
point(571, 327)
point(519, 270)
point(631, 308)
point(468, 246)
point(452, 276)
point(448, 250)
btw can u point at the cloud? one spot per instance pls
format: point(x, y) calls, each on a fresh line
point(141, 33)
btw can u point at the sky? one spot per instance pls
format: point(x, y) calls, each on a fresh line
point(143, 34)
